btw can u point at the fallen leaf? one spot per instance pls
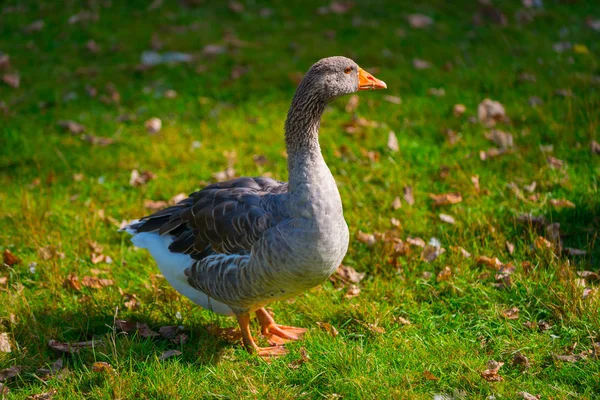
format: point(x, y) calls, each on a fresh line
point(11, 372)
point(430, 376)
point(155, 205)
point(47, 373)
point(430, 253)
point(353, 291)
point(447, 218)
point(72, 282)
point(139, 179)
point(71, 126)
point(419, 21)
point(153, 125)
point(528, 396)
point(304, 357)
point(509, 247)
point(490, 112)
point(340, 7)
point(572, 358)
point(93, 47)
point(511, 313)
point(397, 203)
point(555, 163)
point(83, 16)
point(392, 99)
point(501, 138)
point(142, 329)
point(35, 26)
point(103, 367)
point(12, 79)
point(95, 282)
point(229, 334)
point(169, 353)
point(490, 262)
point(437, 92)
point(542, 243)
point(326, 326)
point(97, 140)
point(543, 325)
point(352, 104)
point(491, 373)
point(574, 252)
point(589, 275)
point(4, 343)
point(415, 241)
point(366, 238)
point(595, 147)
point(490, 153)
point(459, 109)
point(520, 360)
point(561, 203)
point(9, 258)
point(445, 198)
point(392, 142)
point(348, 274)
point(444, 275)
point(72, 347)
point(402, 321)
point(420, 64)
point(408, 195)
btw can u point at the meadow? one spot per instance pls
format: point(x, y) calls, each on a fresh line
point(470, 187)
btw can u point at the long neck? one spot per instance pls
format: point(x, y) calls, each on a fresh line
point(302, 137)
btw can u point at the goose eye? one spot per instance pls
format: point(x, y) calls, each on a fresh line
point(348, 70)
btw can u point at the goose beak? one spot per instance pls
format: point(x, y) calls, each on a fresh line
point(366, 81)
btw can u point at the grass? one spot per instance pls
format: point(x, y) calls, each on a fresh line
point(456, 324)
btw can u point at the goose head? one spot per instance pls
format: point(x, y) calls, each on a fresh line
point(332, 77)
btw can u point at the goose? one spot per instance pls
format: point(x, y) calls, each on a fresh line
point(236, 246)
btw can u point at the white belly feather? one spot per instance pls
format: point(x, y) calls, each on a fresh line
point(172, 266)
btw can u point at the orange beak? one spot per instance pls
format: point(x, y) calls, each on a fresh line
point(366, 81)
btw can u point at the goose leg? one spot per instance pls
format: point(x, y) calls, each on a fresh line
point(251, 346)
point(277, 334)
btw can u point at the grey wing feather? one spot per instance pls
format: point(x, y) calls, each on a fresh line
point(226, 217)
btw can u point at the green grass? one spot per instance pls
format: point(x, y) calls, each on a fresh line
point(457, 325)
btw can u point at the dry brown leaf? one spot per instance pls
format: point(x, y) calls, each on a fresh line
point(8, 373)
point(509, 247)
point(4, 343)
point(47, 373)
point(103, 367)
point(490, 112)
point(419, 21)
point(9, 258)
point(447, 218)
point(595, 147)
point(542, 243)
point(225, 175)
point(511, 313)
point(228, 334)
point(420, 64)
point(327, 327)
point(73, 127)
point(430, 376)
point(153, 125)
point(353, 291)
point(402, 321)
point(169, 353)
point(260, 160)
point(142, 328)
point(392, 142)
point(445, 198)
point(491, 373)
point(502, 139)
point(461, 250)
point(12, 79)
point(574, 252)
point(430, 253)
point(561, 203)
point(97, 140)
point(397, 203)
point(352, 104)
point(408, 195)
point(444, 275)
point(155, 205)
point(459, 109)
point(392, 99)
point(555, 163)
point(520, 360)
point(72, 347)
point(415, 241)
point(95, 282)
point(304, 357)
point(139, 179)
point(366, 238)
point(93, 47)
point(50, 252)
point(528, 396)
point(3, 281)
point(72, 282)
point(490, 153)
point(490, 262)
point(589, 275)
point(348, 274)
